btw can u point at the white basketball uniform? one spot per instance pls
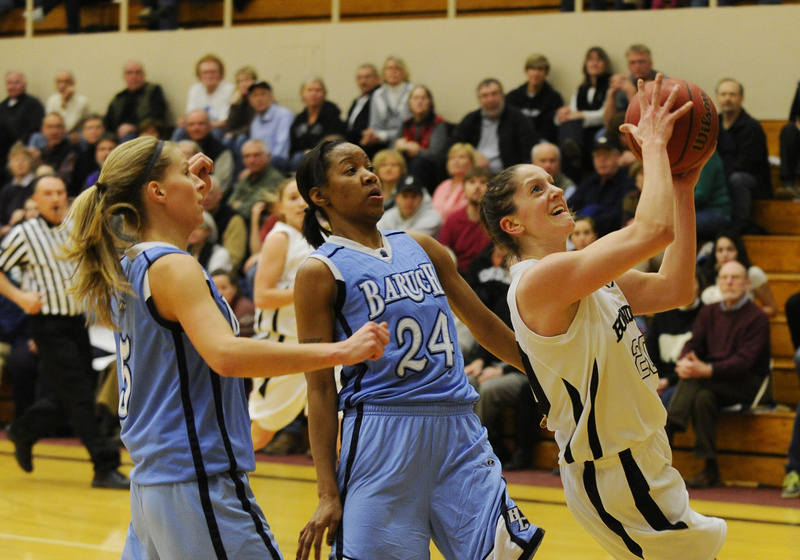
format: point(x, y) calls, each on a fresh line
point(275, 402)
point(597, 385)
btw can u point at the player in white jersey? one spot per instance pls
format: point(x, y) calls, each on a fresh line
point(585, 357)
point(184, 419)
point(274, 403)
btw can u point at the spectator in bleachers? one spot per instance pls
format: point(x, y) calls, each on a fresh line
point(601, 195)
point(151, 127)
point(537, 99)
point(724, 363)
point(231, 226)
point(425, 138)
point(791, 482)
point(14, 194)
point(244, 310)
point(449, 195)
point(210, 94)
point(319, 119)
point(271, 124)
point(198, 129)
point(622, 88)
point(260, 178)
point(240, 115)
point(497, 130)
point(204, 246)
point(790, 151)
point(580, 121)
point(412, 209)
point(728, 246)
point(390, 166)
point(742, 145)
point(666, 336)
point(44, 7)
point(547, 156)
point(21, 113)
point(91, 130)
point(388, 107)
point(462, 231)
point(367, 80)
point(18, 357)
point(241, 112)
point(71, 105)
point(139, 100)
point(58, 152)
point(105, 145)
point(584, 233)
point(274, 404)
point(498, 383)
point(712, 199)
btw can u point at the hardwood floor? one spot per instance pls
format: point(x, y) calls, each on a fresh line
point(53, 514)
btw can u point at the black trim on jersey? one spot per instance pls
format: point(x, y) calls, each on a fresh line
point(338, 306)
point(194, 445)
point(590, 485)
point(577, 412)
point(151, 307)
point(275, 322)
point(645, 503)
point(233, 471)
point(348, 470)
point(591, 425)
point(262, 390)
point(542, 402)
point(359, 371)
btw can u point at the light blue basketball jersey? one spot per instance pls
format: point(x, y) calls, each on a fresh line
point(180, 420)
point(397, 284)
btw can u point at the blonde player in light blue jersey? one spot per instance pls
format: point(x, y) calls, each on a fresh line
point(182, 406)
point(585, 357)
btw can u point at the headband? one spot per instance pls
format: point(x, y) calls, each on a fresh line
point(150, 164)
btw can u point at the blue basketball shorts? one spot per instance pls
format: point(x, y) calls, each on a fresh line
point(411, 474)
point(220, 519)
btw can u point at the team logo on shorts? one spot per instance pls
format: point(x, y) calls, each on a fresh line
point(516, 516)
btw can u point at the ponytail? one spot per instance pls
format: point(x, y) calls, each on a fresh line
point(93, 247)
point(312, 228)
point(313, 172)
point(106, 219)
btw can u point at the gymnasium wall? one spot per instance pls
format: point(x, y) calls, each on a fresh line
point(756, 44)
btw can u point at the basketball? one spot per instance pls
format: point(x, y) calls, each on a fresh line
point(694, 134)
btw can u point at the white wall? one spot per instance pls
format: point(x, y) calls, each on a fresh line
point(756, 44)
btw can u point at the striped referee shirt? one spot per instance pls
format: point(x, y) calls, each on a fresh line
point(34, 246)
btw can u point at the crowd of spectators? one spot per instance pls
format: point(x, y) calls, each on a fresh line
point(432, 172)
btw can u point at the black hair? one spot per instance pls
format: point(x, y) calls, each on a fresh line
point(313, 172)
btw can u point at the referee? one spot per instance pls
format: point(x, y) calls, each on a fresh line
point(57, 325)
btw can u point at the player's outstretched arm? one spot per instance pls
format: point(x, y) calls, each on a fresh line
point(564, 278)
point(315, 321)
point(181, 294)
point(485, 326)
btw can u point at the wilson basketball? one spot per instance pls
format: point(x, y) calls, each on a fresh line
point(694, 134)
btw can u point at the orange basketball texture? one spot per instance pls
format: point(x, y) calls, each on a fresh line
point(694, 134)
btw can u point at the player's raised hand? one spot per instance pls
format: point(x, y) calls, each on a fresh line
point(367, 343)
point(202, 166)
point(657, 119)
